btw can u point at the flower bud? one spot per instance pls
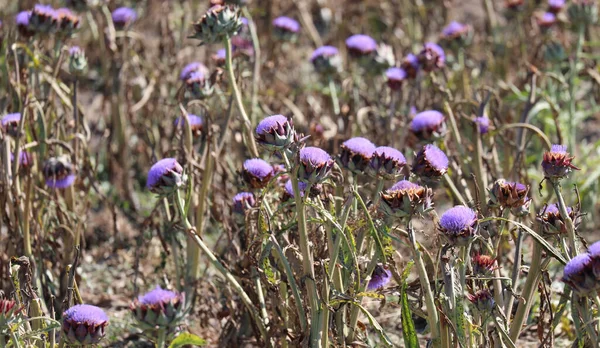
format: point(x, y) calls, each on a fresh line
point(386, 163)
point(455, 31)
point(380, 277)
point(43, 19)
point(360, 45)
point(257, 173)
point(326, 60)
point(483, 124)
point(546, 21)
point(219, 22)
point(77, 61)
point(68, 22)
point(554, 52)
point(555, 6)
point(356, 154)
point(8, 313)
point(275, 132)
point(165, 176)
point(59, 172)
point(198, 86)
point(159, 309)
point(459, 225)
point(315, 165)
point(557, 163)
point(315, 190)
point(583, 13)
point(553, 223)
point(430, 162)
point(84, 324)
point(405, 199)
point(23, 19)
point(483, 265)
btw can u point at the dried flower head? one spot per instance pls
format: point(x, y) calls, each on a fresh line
point(430, 162)
point(405, 199)
point(386, 163)
point(59, 172)
point(326, 60)
point(395, 78)
point(509, 195)
point(579, 275)
point(483, 300)
point(380, 277)
point(315, 165)
point(84, 324)
point(557, 163)
point(286, 28)
point(459, 225)
point(8, 313)
point(432, 57)
point(428, 124)
point(483, 265)
point(159, 308)
point(257, 173)
point(552, 222)
point(410, 64)
point(192, 67)
point(165, 176)
point(356, 154)
point(196, 123)
point(275, 132)
point(10, 124)
point(219, 22)
point(242, 202)
point(123, 17)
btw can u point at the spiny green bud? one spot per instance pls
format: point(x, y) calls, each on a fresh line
point(218, 23)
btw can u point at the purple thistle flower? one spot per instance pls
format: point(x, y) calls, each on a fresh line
point(67, 20)
point(84, 324)
point(196, 123)
point(165, 176)
point(242, 202)
point(159, 308)
point(275, 132)
point(395, 78)
point(220, 57)
point(380, 278)
point(43, 18)
point(193, 67)
point(326, 60)
point(430, 162)
point(411, 65)
point(483, 300)
point(555, 6)
point(10, 124)
point(22, 18)
point(511, 195)
point(289, 188)
point(427, 124)
point(594, 250)
point(286, 26)
point(360, 45)
point(556, 163)
point(198, 85)
point(454, 30)
point(405, 198)
point(123, 17)
point(578, 274)
point(58, 172)
point(459, 224)
point(386, 162)
point(432, 57)
point(483, 124)
point(546, 20)
point(553, 223)
point(257, 173)
point(356, 154)
point(315, 165)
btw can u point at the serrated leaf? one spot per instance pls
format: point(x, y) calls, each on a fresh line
point(408, 326)
point(187, 339)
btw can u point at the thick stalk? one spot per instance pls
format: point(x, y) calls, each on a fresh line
point(453, 189)
point(224, 272)
point(250, 141)
point(562, 208)
point(161, 340)
point(334, 97)
point(572, 74)
point(362, 287)
point(284, 312)
point(510, 299)
point(481, 174)
point(261, 296)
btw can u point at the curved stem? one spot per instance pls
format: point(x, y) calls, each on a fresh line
point(454, 189)
point(238, 98)
point(562, 208)
point(510, 298)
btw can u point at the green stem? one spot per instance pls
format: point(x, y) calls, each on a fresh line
point(376, 195)
point(257, 63)
point(261, 296)
point(510, 299)
point(453, 189)
point(284, 312)
point(573, 73)
point(362, 287)
point(334, 97)
point(562, 208)
point(250, 141)
point(224, 272)
point(162, 338)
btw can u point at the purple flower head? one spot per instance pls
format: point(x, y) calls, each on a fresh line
point(159, 308)
point(380, 278)
point(428, 124)
point(553, 223)
point(430, 162)
point(196, 123)
point(22, 18)
point(220, 57)
point(386, 162)
point(356, 154)
point(123, 17)
point(25, 159)
point(454, 30)
point(67, 20)
point(405, 199)
point(483, 300)
point(289, 188)
point(198, 85)
point(483, 124)
point(579, 275)
point(275, 132)
point(242, 202)
point(594, 250)
point(360, 45)
point(165, 176)
point(43, 18)
point(411, 65)
point(59, 172)
point(432, 57)
point(193, 67)
point(508, 194)
point(84, 324)
point(395, 78)
point(556, 163)
point(546, 20)
point(286, 28)
point(315, 165)
point(459, 224)
point(257, 173)
point(326, 60)
point(10, 124)
point(555, 6)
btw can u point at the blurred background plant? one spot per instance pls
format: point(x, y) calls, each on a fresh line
point(134, 159)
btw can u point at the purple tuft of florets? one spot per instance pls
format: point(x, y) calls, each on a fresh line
point(360, 45)
point(22, 18)
point(315, 165)
point(579, 274)
point(555, 6)
point(286, 24)
point(359, 145)
point(546, 20)
point(395, 77)
point(326, 60)
point(84, 324)
point(10, 124)
point(381, 277)
point(193, 67)
point(454, 29)
point(196, 123)
point(410, 64)
point(324, 51)
point(124, 16)
point(257, 173)
point(386, 162)
point(356, 154)
point(270, 123)
point(432, 57)
point(158, 308)
point(165, 175)
point(242, 201)
point(594, 250)
point(427, 124)
point(157, 297)
point(430, 162)
point(483, 124)
point(457, 219)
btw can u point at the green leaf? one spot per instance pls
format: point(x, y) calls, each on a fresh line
point(408, 326)
point(185, 339)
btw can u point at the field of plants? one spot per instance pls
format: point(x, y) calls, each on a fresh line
point(299, 173)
